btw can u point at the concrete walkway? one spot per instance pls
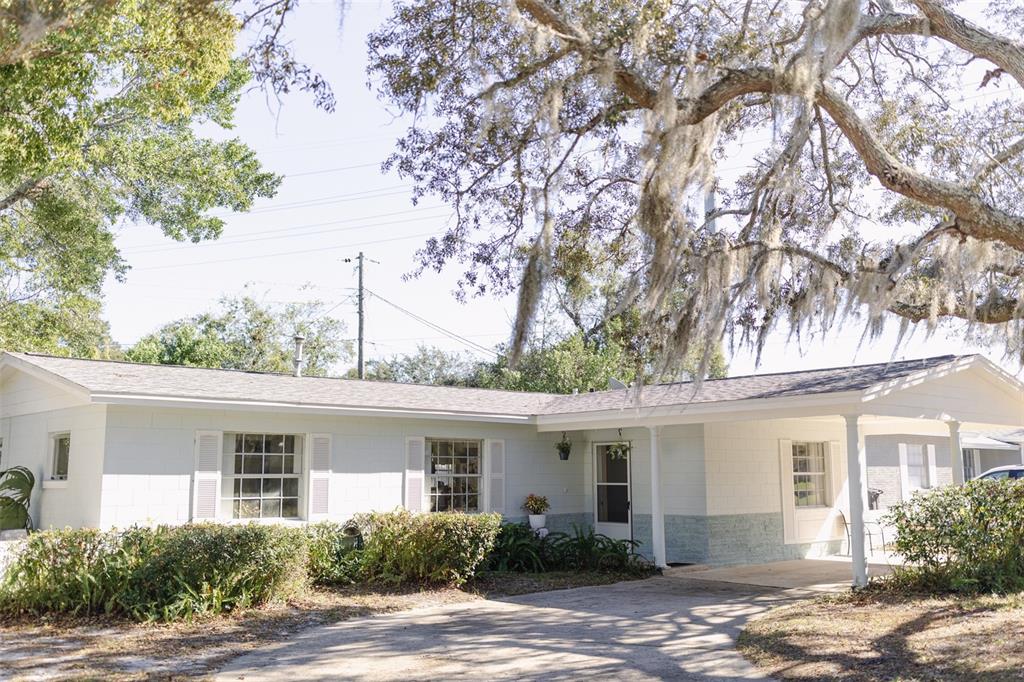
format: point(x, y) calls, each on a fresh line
point(669, 627)
point(829, 574)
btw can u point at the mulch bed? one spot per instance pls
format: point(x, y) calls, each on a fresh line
point(881, 635)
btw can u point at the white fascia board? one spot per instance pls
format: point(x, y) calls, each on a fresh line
point(303, 408)
point(819, 405)
point(884, 388)
point(46, 376)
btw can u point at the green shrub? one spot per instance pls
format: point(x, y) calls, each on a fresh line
point(586, 550)
point(335, 555)
point(441, 548)
point(164, 573)
point(967, 538)
point(518, 548)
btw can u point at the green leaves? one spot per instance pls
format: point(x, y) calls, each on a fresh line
point(246, 334)
point(16, 486)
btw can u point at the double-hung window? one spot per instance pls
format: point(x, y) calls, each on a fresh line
point(61, 449)
point(810, 481)
point(454, 479)
point(917, 467)
point(262, 475)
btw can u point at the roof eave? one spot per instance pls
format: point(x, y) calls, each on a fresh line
point(783, 407)
point(304, 408)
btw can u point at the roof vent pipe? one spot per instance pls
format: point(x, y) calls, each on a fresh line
point(298, 360)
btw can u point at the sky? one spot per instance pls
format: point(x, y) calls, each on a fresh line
point(336, 202)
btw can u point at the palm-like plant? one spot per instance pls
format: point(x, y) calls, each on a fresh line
point(16, 486)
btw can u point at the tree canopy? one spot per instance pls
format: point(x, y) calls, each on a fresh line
point(248, 335)
point(102, 101)
point(732, 168)
point(571, 363)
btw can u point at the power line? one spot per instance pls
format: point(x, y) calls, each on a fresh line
point(320, 224)
point(331, 199)
point(472, 345)
point(286, 253)
point(291, 235)
point(330, 170)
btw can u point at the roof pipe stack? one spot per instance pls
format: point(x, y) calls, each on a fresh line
point(299, 360)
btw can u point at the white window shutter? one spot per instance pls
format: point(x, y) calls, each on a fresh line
point(933, 474)
point(494, 460)
point(206, 477)
point(834, 472)
point(904, 473)
point(415, 460)
point(319, 476)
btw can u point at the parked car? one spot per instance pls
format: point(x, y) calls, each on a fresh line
point(1012, 471)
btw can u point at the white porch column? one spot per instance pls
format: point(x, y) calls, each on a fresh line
point(856, 469)
point(657, 512)
point(956, 453)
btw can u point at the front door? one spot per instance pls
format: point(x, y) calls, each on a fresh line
point(611, 493)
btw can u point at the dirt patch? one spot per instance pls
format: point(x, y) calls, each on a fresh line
point(113, 649)
point(881, 636)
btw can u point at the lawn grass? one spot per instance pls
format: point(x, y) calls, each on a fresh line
point(116, 649)
point(882, 635)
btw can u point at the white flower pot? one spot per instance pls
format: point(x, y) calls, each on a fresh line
point(537, 521)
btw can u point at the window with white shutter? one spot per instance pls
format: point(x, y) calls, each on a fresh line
point(206, 477)
point(319, 475)
point(415, 456)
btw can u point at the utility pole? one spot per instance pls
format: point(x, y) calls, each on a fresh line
point(360, 366)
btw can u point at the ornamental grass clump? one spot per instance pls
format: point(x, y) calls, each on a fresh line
point(967, 538)
point(445, 548)
point(164, 573)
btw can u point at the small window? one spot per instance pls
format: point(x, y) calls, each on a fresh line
point(454, 477)
point(809, 478)
point(61, 453)
point(917, 467)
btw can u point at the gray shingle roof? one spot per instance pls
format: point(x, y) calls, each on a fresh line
point(807, 382)
point(129, 379)
point(104, 376)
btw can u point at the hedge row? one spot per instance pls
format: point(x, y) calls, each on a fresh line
point(178, 572)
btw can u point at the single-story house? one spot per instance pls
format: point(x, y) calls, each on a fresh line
point(736, 470)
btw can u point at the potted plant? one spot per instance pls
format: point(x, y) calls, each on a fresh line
point(564, 447)
point(536, 506)
point(619, 450)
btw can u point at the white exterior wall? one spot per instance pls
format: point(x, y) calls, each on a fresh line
point(147, 476)
point(31, 412)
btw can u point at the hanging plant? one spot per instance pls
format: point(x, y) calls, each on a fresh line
point(564, 447)
point(620, 449)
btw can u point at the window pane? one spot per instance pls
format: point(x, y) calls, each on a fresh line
point(271, 487)
point(458, 503)
point(273, 464)
point(252, 464)
point(459, 448)
point(473, 504)
point(289, 466)
point(271, 508)
point(238, 487)
point(239, 443)
point(253, 442)
point(472, 485)
point(289, 444)
point(62, 448)
point(238, 464)
point(458, 485)
point(609, 469)
point(250, 487)
point(248, 509)
point(290, 487)
point(612, 504)
point(462, 466)
point(290, 508)
point(274, 443)
point(441, 486)
point(473, 465)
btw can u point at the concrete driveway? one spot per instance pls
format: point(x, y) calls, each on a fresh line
point(668, 627)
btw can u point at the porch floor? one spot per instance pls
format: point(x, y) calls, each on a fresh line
point(830, 574)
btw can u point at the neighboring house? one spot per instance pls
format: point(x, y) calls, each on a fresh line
point(745, 469)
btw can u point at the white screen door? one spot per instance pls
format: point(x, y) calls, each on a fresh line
point(611, 493)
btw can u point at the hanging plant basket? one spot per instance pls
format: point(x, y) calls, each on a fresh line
point(564, 447)
point(620, 449)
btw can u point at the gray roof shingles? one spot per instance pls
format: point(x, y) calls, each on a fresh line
point(99, 376)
